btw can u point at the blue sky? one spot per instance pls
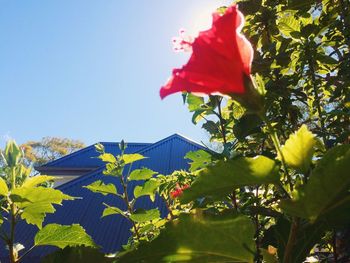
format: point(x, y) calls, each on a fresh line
point(91, 70)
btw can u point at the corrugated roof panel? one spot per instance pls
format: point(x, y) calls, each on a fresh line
point(87, 157)
point(113, 231)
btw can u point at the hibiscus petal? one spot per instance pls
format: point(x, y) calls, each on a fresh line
point(220, 57)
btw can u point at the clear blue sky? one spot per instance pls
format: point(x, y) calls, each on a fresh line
point(91, 70)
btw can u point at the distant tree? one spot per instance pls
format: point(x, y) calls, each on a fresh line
point(49, 149)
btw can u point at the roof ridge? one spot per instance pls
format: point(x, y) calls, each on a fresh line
point(87, 148)
point(175, 135)
point(150, 147)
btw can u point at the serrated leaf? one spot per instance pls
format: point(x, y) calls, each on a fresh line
point(288, 25)
point(36, 180)
point(102, 188)
point(148, 188)
point(200, 159)
point(112, 169)
point(130, 158)
point(35, 213)
point(141, 174)
point(327, 188)
point(211, 127)
point(199, 239)
point(63, 236)
point(36, 202)
point(194, 102)
point(219, 180)
point(112, 210)
point(107, 157)
point(3, 187)
point(142, 215)
point(299, 149)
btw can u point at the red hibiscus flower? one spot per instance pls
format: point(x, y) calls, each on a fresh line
point(178, 191)
point(220, 62)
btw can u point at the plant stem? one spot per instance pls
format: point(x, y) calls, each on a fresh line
point(26, 253)
point(288, 252)
point(222, 124)
point(335, 252)
point(11, 241)
point(276, 143)
point(234, 200)
point(130, 209)
point(317, 99)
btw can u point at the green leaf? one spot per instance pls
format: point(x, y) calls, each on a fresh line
point(194, 102)
point(288, 25)
point(36, 202)
point(130, 158)
point(63, 236)
point(141, 215)
point(108, 158)
point(247, 125)
point(36, 180)
point(199, 238)
point(211, 127)
point(141, 174)
point(77, 255)
point(35, 213)
point(3, 187)
point(299, 149)
point(112, 210)
point(200, 159)
point(219, 180)
point(112, 169)
point(148, 188)
point(327, 188)
point(102, 188)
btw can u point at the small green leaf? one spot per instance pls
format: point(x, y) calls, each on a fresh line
point(200, 159)
point(194, 102)
point(108, 158)
point(130, 158)
point(102, 188)
point(219, 180)
point(3, 187)
point(112, 210)
point(299, 149)
point(37, 180)
point(148, 188)
point(211, 127)
point(224, 238)
point(327, 188)
point(63, 236)
point(99, 147)
point(141, 215)
point(141, 174)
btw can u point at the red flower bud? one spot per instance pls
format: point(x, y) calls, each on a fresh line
point(178, 191)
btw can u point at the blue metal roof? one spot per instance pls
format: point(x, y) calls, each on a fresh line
point(86, 157)
point(110, 232)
